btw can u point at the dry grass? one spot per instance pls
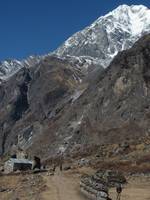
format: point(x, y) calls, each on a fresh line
point(124, 166)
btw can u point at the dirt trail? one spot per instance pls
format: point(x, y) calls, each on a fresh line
point(62, 187)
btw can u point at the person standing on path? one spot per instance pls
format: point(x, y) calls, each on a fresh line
point(119, 190)
point(59, 161)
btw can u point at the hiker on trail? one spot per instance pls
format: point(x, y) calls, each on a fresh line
point(119, 190)
point(59, 161)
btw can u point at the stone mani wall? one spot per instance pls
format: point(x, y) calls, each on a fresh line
point(96, 187)
point(93, 189)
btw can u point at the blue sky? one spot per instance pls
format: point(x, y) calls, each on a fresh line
point(36, 27)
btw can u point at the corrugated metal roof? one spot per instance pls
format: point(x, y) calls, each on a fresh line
point(15, 160)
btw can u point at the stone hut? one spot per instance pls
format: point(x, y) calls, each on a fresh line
point(17, 164)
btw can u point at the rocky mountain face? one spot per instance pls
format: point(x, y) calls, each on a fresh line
point(116, 31)
point(67, 101)
point(114, 108)
point(32, 97)
point(58, 112)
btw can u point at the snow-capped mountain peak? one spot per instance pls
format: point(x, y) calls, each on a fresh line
point(132, 18)
point(116, 31)
point(98, 43)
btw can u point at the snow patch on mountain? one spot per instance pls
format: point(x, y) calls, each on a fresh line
point(9, 67)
